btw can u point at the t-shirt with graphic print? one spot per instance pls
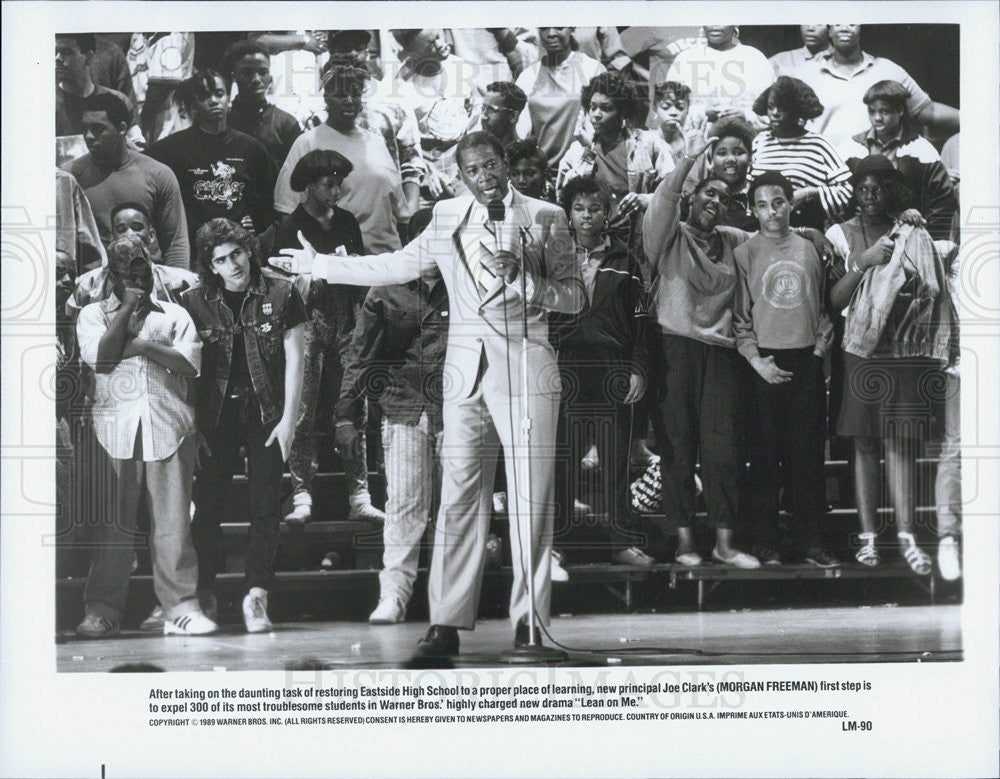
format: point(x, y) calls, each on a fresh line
point(227, 174)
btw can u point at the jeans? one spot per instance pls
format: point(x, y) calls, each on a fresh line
point(239, 425)
point(413, 476)
point(592, 412)
point(324, 369)
point(787, 448)
point(166, 487)
point(699, 415)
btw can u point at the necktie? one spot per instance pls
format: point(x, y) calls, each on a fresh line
point(477, 241)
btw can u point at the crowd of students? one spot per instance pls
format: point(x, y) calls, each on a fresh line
point(753, 235)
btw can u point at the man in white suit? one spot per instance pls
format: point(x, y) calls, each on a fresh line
point(479, 255)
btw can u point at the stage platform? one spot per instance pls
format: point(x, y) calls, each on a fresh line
point(765, 636)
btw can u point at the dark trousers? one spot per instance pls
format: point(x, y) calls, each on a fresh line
point(699, 417)
point(591, 413)
point(239, 425)
point(647, 409)
point(787, 449)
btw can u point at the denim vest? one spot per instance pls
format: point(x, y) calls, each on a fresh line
point(263, 318)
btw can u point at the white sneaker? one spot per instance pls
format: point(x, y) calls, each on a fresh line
point(389, 611)
point(255, 611)
point(367, 512)
point(301, 512)
point(155, 620)
point(949, 559)
point(194, 623)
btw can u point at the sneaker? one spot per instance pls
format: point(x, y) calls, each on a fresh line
point(633, 556)
point(96, 626)
point(301, 512)
point(769, 556)
point(155, 620)
point(389, 611)
point(949, 559)
point(255, 611)
point(193, 623)
point(821, 558)
point(557, 572)
point(366, 512)
point(737, 560)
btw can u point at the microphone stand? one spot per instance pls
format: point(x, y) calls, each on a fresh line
point(535, 652)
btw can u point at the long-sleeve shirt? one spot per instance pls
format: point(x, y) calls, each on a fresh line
point(692, 272)
point(806, 160)
point(397, 353)
point(139, 179)
point(139, 396)
point(780, 296)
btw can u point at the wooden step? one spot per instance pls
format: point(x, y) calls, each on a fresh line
point(592, 588)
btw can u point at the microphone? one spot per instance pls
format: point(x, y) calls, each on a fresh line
point(496, 212)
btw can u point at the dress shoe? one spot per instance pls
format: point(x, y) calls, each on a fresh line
point(440, 641)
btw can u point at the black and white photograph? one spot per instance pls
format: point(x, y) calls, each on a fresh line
point(593, 385)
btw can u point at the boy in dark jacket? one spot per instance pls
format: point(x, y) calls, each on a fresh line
point(602, 362)
point(251, 322)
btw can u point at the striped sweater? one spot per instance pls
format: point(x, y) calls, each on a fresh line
point(808, 160)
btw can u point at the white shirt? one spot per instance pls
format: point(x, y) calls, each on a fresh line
point(139, 394)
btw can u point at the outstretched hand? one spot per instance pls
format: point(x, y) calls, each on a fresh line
point(295, 260)
point(696, 147)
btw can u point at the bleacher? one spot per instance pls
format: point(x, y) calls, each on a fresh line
point(328, 567)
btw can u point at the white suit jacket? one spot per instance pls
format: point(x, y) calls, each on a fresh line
point(552, 277)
